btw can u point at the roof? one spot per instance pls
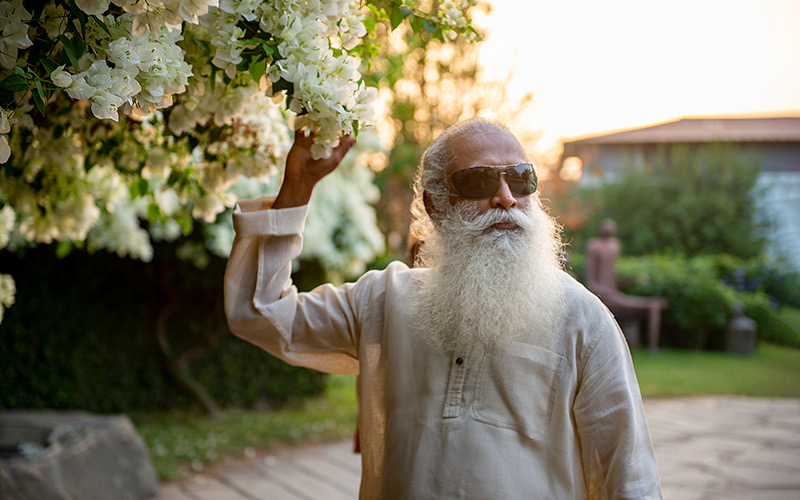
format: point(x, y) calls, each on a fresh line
point(705, 130)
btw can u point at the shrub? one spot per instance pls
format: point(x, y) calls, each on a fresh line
point(82, 336)
point(689, 199)
point(702, 293)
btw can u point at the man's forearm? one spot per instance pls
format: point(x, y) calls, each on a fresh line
point(293, 193)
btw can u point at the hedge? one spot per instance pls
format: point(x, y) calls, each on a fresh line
point(81, 335)
point(703, 291)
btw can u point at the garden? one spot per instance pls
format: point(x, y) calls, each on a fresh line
point(127, 133)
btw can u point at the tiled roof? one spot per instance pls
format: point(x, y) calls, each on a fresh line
point(705, 130)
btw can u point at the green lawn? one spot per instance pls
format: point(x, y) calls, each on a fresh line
point(772, 371)
point(182, 442)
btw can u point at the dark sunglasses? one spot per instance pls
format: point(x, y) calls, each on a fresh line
point(482, 182)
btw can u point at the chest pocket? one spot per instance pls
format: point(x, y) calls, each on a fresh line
point(517, 390)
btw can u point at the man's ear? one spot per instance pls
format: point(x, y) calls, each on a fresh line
point(428, 202)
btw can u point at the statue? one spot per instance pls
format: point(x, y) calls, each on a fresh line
point(601, 259)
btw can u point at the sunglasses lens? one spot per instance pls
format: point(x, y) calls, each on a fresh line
point(476, 182)
point(482, 182)
point(521, 179)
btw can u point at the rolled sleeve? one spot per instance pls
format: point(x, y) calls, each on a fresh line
point(249, 220)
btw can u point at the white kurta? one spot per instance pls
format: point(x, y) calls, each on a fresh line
point(559, 416)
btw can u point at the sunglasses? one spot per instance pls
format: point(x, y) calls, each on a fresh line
point(482, 182)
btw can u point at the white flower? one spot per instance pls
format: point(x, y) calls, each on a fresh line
point(5, 125)
point(79, 89)
point(99, 75)
point(5, 149)
point(105, 105)
point(60, 77)
point(93, 7)
point(122, 53)
point(7, 219)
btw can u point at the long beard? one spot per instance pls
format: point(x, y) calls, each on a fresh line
point(487, 287)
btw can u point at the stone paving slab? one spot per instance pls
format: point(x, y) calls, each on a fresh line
point(707, 448)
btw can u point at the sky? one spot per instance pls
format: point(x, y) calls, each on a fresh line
point(597, 66)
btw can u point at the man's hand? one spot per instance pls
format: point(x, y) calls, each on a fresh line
point(303, 172)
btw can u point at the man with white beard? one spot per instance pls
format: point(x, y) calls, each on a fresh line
point(486, 372)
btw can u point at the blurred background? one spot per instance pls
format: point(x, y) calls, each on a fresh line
point(680, 120)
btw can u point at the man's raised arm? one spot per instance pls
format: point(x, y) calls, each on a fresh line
point(261, 304)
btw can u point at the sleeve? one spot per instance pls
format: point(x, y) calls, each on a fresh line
point(617, 454)
point(316, 329)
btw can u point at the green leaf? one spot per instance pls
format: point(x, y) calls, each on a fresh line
point(70, 49)
point(369, 24)
point(395, 18)
point(45, 95)
point(213, 77)
point(174, 176)
point(37, 99)
point(355, 129)
point(406, 11)
point(430, 26)
point(417, 24)
point(49, 65)
point(100, 22)
point(19, 71)
point(63, 249)
point(187, 225)
point(258, 69)
point(14, 82)
point(153, 213)
point(138, 189)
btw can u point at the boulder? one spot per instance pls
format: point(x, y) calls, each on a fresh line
point(48, 455)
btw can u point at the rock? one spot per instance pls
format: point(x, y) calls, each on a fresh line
point(72, 456)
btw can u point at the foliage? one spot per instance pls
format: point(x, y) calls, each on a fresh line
point(769, 372)
point(128, 122)
point(182, 442)
point(60, 350)
point(700, 300)
point(692, 200)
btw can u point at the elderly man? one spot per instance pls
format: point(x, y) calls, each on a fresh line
point(486, 371)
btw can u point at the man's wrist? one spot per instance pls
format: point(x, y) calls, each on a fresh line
point(293, 194)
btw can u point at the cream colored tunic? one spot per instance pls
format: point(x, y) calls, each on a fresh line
point(558, 417)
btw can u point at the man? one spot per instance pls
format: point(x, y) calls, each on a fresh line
point(602, 253)
point(486, 372)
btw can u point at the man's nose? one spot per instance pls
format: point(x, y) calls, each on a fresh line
point(503, 198)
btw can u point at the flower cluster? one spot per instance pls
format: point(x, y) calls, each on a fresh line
point(126, 70)
point(452, 21)
point(124, 122)
point(14, 29)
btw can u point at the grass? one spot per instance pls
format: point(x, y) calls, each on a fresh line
point(791, 316)
point(184, 442)
point(772, 371)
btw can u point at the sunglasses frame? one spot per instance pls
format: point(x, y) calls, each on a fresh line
point(501, 170)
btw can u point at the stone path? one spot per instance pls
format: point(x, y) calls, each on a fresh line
point(709, 448)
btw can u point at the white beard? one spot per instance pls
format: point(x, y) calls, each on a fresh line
point(485, 286)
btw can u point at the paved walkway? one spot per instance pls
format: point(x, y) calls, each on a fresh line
point(709, 448)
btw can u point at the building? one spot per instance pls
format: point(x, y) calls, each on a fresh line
point(775, 141)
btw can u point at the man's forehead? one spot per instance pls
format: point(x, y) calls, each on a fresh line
point(486, 147)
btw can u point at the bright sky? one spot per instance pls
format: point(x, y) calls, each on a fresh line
point(601, 65)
